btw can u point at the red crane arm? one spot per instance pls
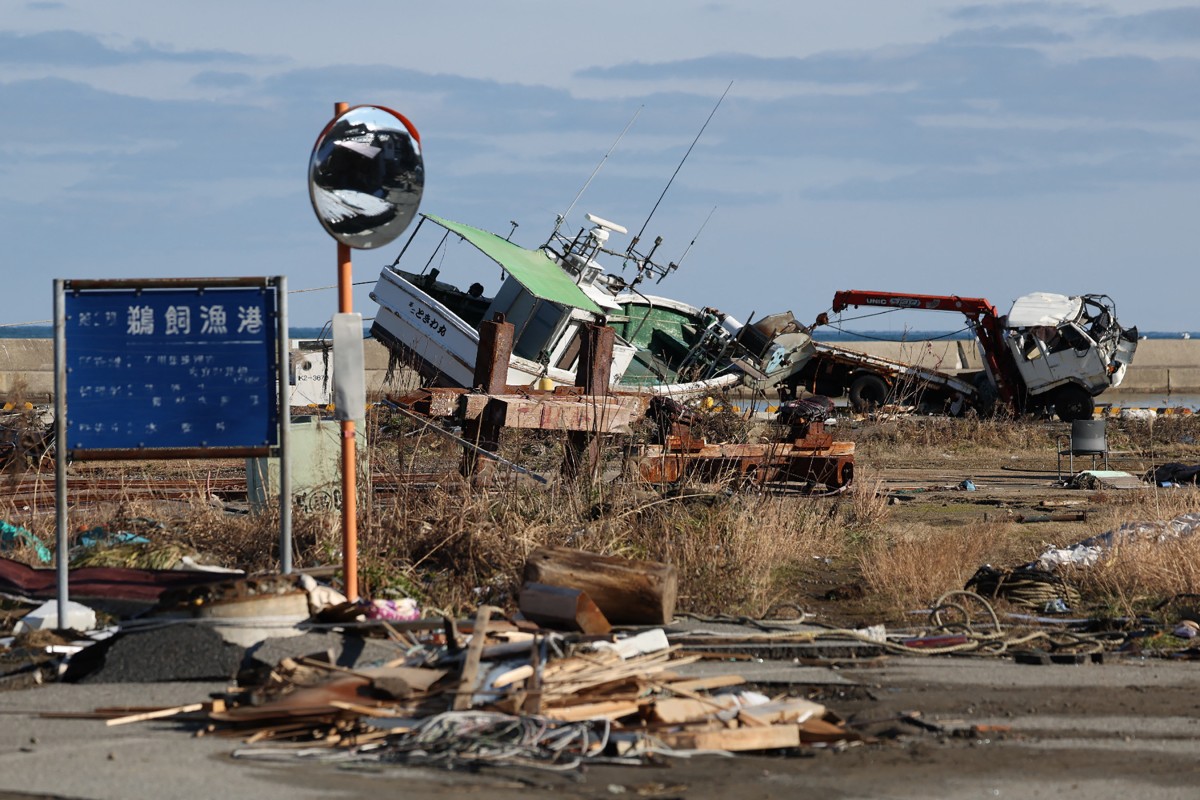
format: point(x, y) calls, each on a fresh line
point(974, 307)
point(982, 315)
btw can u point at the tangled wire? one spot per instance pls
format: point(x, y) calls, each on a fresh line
point(475, 738)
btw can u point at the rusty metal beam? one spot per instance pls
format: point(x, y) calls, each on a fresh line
point(549, 413)
point(493, 355)
point(814, 458)
point(595, 359)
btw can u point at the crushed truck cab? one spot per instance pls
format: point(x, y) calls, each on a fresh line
point(1070, 349)
point(1049, 351)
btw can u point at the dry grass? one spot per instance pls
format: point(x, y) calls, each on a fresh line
point(914, 436)
point(734, 553)
point(738, 553)
point(1137, 577)
point(911, 565)
point(867, 506)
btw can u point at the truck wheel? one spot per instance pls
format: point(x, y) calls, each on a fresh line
point(1073, 402)
point(868, 391)
point(985, 394)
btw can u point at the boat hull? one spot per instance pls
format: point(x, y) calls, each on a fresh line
point(442, 347)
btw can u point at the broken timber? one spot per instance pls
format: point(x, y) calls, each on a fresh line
point(626, 591)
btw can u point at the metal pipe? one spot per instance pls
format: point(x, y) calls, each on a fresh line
point(285, 424)
point(60, 452)
point(349, 482)
point(349, 478)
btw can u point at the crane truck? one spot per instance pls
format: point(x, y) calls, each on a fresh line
point(1050, 352)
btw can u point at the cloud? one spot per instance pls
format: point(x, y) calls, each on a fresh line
point(71, 48)
point(992, 11)
point(935, 183)
point(998, 35)
point(215, 79)
point(1163, 25)
point(949, 75)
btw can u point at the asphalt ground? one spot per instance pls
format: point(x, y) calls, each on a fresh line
point(1129, 729)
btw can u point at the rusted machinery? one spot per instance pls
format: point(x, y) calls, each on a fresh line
point(804, 452)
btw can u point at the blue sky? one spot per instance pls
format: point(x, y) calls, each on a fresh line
point(986, 149)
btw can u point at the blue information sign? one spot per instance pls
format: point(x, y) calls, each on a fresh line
point(176, 368)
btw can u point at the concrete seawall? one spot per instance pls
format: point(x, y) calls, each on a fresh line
point(1160, 366)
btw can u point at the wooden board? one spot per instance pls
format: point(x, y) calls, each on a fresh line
point(735, 740)
point(682, 710)
point(628, 592)
point(608, 709)
point(562, 608)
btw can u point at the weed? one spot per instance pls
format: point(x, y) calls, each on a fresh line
point(913, 564)
point(454, 546)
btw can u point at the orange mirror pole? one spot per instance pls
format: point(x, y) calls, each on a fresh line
point(349, 459)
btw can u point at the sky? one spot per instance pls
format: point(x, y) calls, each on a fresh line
point(977, 149)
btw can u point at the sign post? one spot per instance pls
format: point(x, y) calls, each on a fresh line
point(365, 179)
point(168, 368)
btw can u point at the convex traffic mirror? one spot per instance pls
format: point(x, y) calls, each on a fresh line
point(366, 176)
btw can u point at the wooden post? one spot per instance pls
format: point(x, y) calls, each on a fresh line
point(492, 357)
point(491, 376)
point(595, 359)
point(470, 672)
point(583, 448)
point(627, 592)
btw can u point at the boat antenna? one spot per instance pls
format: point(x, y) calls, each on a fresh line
point(681, 162)
point(563, 216)
point(674, 265)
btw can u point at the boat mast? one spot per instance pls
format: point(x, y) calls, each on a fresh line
point(563, 216)
point(643, 262)
point(674, 265)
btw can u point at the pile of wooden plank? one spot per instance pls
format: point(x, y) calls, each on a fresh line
point(553, 682)
point(624, 693)
point(629, 686)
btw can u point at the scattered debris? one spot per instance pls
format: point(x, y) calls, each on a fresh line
point(1027, 586)
point(1088, 552)
point(1173, 474)
point(14, 536)
point(45, 616)
point(1093, 479)
point(510, 697)
point(99, 587)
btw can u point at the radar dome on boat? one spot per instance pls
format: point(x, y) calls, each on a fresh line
point(603, 223)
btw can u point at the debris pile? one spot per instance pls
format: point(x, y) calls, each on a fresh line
point(499, 691)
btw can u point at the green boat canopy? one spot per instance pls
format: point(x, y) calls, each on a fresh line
point(533, 269)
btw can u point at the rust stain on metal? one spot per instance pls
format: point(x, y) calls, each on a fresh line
point(814, 456)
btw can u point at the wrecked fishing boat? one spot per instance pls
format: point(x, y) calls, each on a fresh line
point(550, 294)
